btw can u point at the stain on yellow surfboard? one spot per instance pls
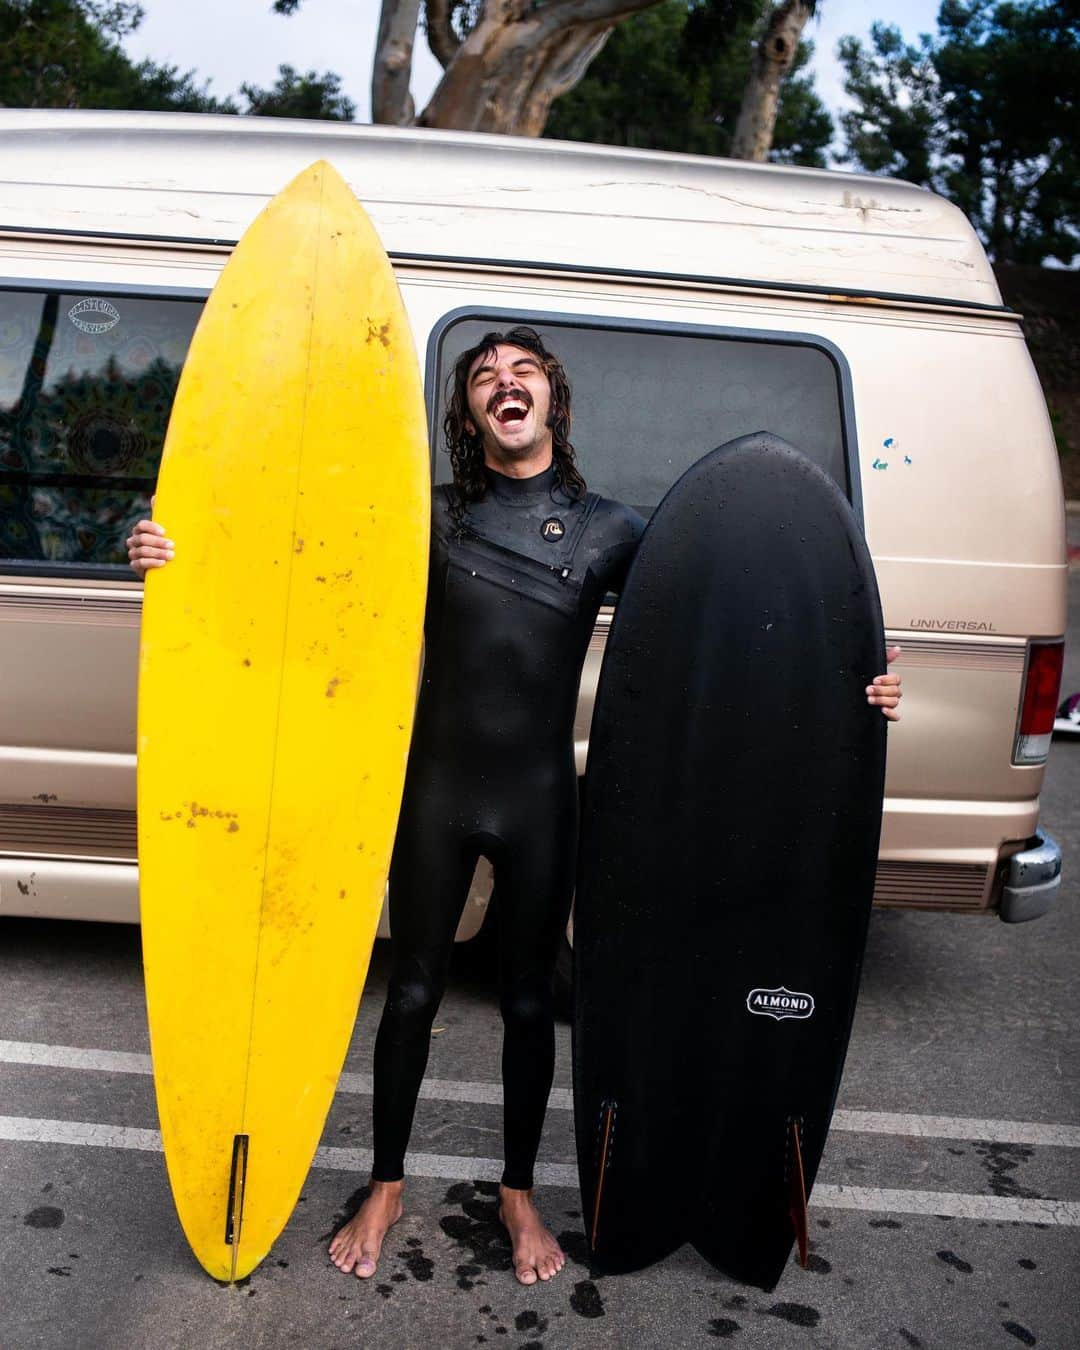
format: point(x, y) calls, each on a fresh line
point(279, 663)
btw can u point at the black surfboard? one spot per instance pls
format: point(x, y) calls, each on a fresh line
point(730, 833)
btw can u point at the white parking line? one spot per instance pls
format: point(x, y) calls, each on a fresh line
point(1059, 1213)
point(958, 1127)
point(1055, 1213)
point(22, 1130)
point(70, 1057)
point(490, 1094)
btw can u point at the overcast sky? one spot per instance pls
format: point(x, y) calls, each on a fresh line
point(231, 41)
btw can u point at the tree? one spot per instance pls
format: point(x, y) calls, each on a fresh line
point(296, 95)
point(673, 78)
point(774, 56)
point(504, 61)
point(67, 54)
point(984, 112)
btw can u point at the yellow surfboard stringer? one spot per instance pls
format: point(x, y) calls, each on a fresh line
point(278, 672)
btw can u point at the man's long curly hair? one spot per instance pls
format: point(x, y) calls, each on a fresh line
point(466, 448)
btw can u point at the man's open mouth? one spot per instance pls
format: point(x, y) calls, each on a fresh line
point(509, 409)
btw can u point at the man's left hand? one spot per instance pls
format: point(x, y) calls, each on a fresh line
point(885, 692)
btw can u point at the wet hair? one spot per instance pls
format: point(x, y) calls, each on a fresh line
point(466, 448)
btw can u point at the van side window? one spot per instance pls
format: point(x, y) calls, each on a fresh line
point(648, 403)
point(86, 386)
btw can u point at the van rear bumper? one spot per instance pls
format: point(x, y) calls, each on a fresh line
point(1032, 880)
point(947, 854)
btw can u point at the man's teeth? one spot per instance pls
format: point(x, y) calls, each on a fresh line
point(509, 407)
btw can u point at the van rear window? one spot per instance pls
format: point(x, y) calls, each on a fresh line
point(649, 402)
point(86, 386)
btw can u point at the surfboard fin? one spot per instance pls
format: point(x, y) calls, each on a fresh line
point(797, 1190)
point(605, 1133)
point(234, 1212)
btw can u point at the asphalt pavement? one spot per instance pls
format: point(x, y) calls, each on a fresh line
point(947, 1210)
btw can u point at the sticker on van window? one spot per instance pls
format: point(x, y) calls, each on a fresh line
point(779, 1003)
point(94, 315)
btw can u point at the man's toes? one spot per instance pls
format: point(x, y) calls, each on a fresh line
point(365, 1266)
point(526, 1274)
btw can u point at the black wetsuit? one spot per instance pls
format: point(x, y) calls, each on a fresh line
point(512, 598)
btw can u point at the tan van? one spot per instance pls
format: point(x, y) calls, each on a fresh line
point(691, 299)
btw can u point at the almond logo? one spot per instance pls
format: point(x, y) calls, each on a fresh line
point(94, 315)
point(779, 1003)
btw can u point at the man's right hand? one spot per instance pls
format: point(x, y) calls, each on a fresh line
point(148, 547)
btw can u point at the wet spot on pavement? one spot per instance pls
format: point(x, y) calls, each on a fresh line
point(465, 1275)
point(384, 1289)
point(723, 1327)
point(59, 1270)
point(45, 1216)
point(586, 1300)
point(530, 1320)
point(798, 1314)
point(736, 1303)
point(818, 1264)
point(957, 1263)
point(909, 1338)
point(419, 1266)
point(885, 1223)
point(1026, 1262)
point(1000, 1161)
point(1021, 1333)
point(477, 1227)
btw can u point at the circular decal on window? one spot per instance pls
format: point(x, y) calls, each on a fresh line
point(553, 529)
point(94, 315)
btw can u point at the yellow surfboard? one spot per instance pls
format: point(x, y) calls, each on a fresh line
point(279, 664)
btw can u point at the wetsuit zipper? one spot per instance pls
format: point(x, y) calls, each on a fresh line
point(472, 536)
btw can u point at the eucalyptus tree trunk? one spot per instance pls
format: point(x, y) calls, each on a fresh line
point(505, 73)
point(391, 102)
point(772, 60)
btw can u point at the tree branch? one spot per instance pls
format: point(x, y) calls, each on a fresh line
point(441, 38)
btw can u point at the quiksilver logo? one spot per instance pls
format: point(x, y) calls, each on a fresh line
point(779, 1003)
point(553, 529)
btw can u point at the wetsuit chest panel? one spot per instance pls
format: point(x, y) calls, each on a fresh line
point(547, 583)
point(529, 547)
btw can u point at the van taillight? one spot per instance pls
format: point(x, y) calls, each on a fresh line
point(1041, 688)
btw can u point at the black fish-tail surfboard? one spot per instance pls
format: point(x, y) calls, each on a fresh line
point(729, 842)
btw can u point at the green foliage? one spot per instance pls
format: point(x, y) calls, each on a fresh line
point(672, 78)
point(984, 112)
point(67, 54)
point(296, 95)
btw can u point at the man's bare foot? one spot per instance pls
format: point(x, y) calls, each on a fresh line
point(536, 1253)
point(356, 1247)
